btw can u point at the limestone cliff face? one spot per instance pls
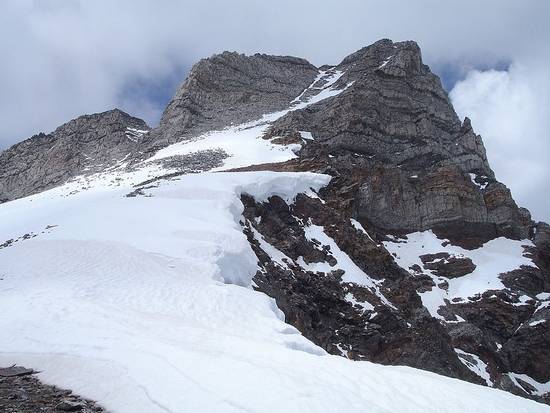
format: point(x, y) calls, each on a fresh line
point(86, 144)
point(426, 168)
point(394, 110)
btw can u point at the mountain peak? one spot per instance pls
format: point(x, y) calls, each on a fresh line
point(113, 119)
point(404, 57)
point(352, 196)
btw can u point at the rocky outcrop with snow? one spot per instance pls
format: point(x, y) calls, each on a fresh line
point(351, 195)
point(422, 168)
point(403, 163)
point(89, 143)
point(231, 88)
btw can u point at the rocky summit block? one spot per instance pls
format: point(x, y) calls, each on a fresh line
point(231, 88)
point(422, 166)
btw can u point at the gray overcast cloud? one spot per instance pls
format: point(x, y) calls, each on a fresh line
point(64, 58)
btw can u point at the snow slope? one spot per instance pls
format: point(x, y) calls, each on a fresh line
point(124, 301)
point(145, 303)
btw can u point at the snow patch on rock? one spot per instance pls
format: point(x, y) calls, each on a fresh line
point(475, 364)
point(493, 258)
point(352, 273)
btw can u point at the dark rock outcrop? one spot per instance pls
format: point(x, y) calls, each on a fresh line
point(26, 394)
point(318, 303)
point(505, 329)
point(446, 265)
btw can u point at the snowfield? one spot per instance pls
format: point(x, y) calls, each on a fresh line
point(146, 304)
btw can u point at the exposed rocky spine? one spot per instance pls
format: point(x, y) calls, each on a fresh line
point(231, 88)
point(89, 143)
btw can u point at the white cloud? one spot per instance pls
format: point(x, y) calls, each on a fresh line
point(510, 109)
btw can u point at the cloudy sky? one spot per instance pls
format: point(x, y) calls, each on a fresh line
point(64, 58)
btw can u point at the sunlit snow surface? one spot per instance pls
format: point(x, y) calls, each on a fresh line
point(145, 303)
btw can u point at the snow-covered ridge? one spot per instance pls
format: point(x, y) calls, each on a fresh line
point(127, 301)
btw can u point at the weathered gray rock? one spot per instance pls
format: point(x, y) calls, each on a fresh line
point(231, 88)
point(195, 162)
point(85, 144)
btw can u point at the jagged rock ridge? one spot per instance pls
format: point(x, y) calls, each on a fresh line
point(89, 143)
